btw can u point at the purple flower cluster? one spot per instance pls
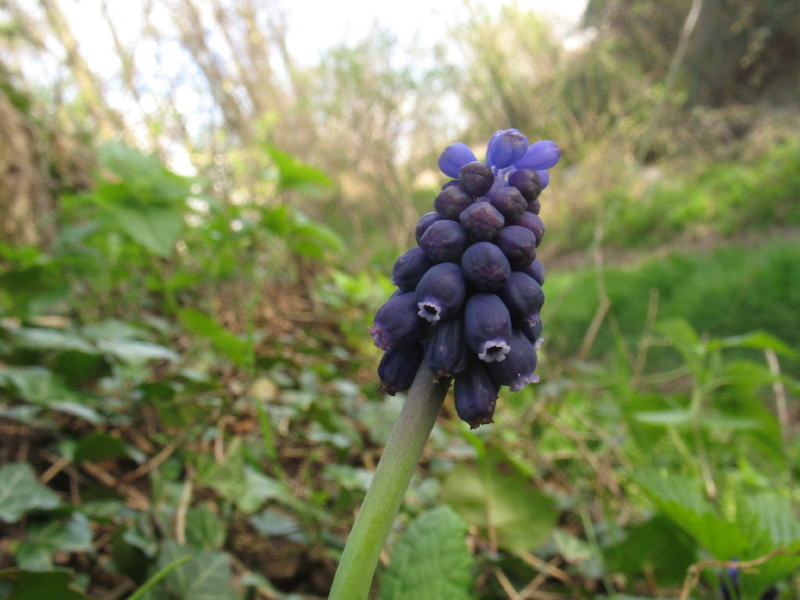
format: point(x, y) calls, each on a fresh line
point(469, 294)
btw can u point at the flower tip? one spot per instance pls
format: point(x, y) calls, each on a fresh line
point(454, 157)
point(378, 338)
point(506, 147)
point(541, 155)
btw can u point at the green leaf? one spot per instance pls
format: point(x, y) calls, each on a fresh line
point(656, 547)
point(21, 492)
point(44, 538)
point(757, 339)
point(204, 529)
point(681, 500)
point(137, 352)
point(207, 576)
point(665, 418)
point(35, 338)
point(38, 585)
point(238, 350)
point(494, 494)
point(98, 446)
point(294, 174)
point(431, 561)
point(156, 227)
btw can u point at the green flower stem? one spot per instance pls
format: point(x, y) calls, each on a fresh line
point(382, 502)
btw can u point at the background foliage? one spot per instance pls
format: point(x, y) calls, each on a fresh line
point(191, 254)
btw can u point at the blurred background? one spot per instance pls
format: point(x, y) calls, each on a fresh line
point(200, 205)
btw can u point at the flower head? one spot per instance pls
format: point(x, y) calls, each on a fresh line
point(470, 294)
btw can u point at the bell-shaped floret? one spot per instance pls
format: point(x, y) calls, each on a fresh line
point(440, 293)
point(452, 201)
point(475, 395)
point(424, 222)
point(533, 222)
point(523, 297)
point(541, 155)
point(397, 323)
point(518, 244)
point(447, 352)
point(476, 178)
point(505, 148)
point(517, 370)
point(454, 157)
point(509, 201)
point(528, 182)
point(532, 329)
point(409, 269)
point(535, 270)
point(485, 267)
point(487, 325)
point(482, 221)
point(398, 367)
point(444, 241)
point(535, 207)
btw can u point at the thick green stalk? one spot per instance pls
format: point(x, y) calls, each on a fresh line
point(382, 502)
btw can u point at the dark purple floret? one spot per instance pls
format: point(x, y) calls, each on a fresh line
point(509, 202)
point(531, 330)
point(454, 157)
point(541, 155)
point(533, 222)
point(487, 325)
point(444, 241)
point(397, 323)
point(447, 352)
point(424, 222)
point(485, 267)
point(517, 370)
point(452, 201)
point(535, 207)
point(482, 221)
point(476, 178)
point(475, 395)
point(505, 148)
point(449, 183)
point(440, 293)
point(409, 269)
point(523, 297)
point(528, 182)
point(535, 270)
point(518, 244)
point(398, 367)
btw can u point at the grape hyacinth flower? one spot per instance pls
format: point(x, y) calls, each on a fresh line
point(474, 275)
point(467, 310)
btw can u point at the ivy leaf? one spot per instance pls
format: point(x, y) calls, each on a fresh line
point(496, 495)
point(207, 576)
point(21, 492)
point(431, 561)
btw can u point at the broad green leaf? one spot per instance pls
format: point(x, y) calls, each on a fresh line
point(44, 538)
point(757, 339)
point(137, 352)
point(236, 349)
point(35, 338)
point(494, 495)
point(98, 446)
point(207, 576)
point(294, 174)
point(40, 585)
point(681, 500)
point(154, 226)
point(21, 492)
point(655, 546)
point(204, 529)
point(431, 561)
point(271, 522)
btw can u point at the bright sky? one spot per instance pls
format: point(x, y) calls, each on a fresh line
point(315, 25)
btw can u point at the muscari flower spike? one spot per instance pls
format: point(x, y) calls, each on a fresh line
point(469, 295)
